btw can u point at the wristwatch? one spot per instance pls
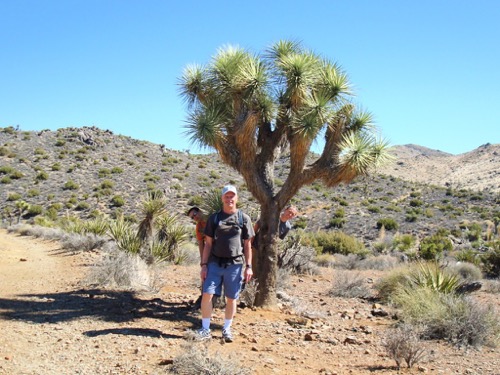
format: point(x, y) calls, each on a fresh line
point(249, 266)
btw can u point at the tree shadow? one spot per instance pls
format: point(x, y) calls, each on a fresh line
point(109, 306)
point(131, 331)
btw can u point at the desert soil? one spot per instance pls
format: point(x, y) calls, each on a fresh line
point(51, 324)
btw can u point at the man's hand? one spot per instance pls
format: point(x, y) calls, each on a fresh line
point(248, 274)
point(203, 272)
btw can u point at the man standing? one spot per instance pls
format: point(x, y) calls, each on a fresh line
point(227, 250)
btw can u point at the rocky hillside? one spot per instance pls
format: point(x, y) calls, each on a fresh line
point(475, 170)
point(89, 171)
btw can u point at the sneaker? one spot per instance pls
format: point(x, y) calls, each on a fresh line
point(227, 336)
point(203, 334)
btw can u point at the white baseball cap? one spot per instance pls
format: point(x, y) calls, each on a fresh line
point(226, 189)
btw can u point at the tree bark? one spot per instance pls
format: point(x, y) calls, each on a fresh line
point(266, 258)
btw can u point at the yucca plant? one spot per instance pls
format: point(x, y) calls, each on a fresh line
point(171, 233)
point(97, 226)
point(153, 206)
point(212, 201)
point(430, 275)
point(125, 236)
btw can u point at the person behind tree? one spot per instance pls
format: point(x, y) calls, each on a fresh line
point(284, 227)
point(226, 261)
point(197, 215)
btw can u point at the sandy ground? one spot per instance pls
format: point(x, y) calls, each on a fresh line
point(51, 324)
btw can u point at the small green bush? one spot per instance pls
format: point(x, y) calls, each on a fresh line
point(432, 247)
point(117, 201)
point(13, 197)
point(387, 223)
point(334, 243)
point(42, 176)
point(71, 185)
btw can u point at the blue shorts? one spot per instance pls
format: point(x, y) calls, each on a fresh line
point(229, 275)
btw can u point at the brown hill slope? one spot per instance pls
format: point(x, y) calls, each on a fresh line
point(477, 170)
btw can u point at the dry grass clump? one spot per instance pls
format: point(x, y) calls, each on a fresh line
point(379, 262)
point(295, 257)
point(247, 295)
point(195, 359)
point(82, 242)
point(122, 270)
point(404, 344)
point(349, 285)
point(466, 271)
point(492, 286)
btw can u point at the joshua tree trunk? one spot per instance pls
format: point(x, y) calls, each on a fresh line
point(266, 258)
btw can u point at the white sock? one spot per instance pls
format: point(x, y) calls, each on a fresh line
point(205, 323)
point(227, 323)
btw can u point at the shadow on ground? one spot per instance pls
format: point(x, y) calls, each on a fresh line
point(110, 306)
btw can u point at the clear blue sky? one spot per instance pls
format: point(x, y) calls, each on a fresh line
point(429, 70)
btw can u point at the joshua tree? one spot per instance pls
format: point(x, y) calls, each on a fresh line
point(253, 109)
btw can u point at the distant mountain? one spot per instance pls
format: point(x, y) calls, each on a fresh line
point(476, 170)
point(88, 171)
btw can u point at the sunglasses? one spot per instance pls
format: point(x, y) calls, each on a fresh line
point(193, 215)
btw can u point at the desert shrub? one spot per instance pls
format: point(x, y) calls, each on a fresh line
point(248, 293)
point(348, 284)
point(452, 317)
point(403, 242)
point(466, 271)
point(491, 260)
point(97, 226)
point(117, 201)
point(404, 344)
point(334, 242)
point(195, 359)
point(103, 172)
point(71, 185)
point(325, 260)
point(468, 255)
point(106, 184)
point(118, 269)
point(82, 242)
point(34, 210)
point(116, 170)
point(378, 262)
point(6, 169)
point(13, 197)
point(16, 175)
point(346, 262)
point(390, 284)
point(300, 223)
point(294, 256)
point(387, 223)
point(338, 219)
point(196, 200)
point(432, 247)
point(492, 286)
point(5, 180)
point(42, 176)
point(411, 217)
point(33, 193)
point(416, 203)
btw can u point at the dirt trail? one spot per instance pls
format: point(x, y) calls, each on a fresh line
point(51, 324)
